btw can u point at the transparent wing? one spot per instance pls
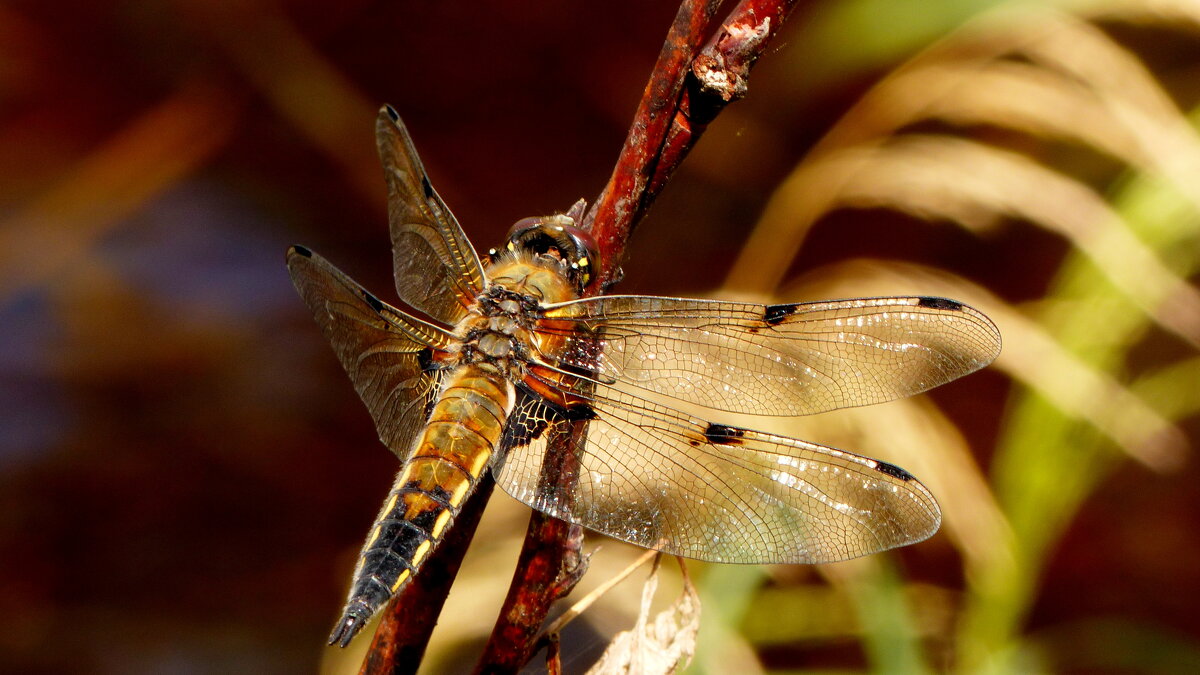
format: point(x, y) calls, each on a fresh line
point(437, 269)
point(794, 359)
point(388, 354)
point(654, 477)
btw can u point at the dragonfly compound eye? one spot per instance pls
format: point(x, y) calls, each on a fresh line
point(557, 236)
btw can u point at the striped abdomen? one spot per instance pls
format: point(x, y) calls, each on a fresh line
point(448, 458)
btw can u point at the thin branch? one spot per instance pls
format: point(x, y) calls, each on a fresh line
point(625, 198)
point(719, 76)
point(549, 566)
point(553, 656)
point(689, 87)
point(588, 600)
point(545, 571)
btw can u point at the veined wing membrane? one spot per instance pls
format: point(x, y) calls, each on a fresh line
point(386, 352)
point(437, 269)
point(660, 479)
point(795, 359)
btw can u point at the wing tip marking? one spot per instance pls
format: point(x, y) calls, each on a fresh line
point(947, 304)
point(375, 303)
point(893, 471)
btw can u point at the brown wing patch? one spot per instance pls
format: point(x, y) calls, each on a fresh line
point(720, 434)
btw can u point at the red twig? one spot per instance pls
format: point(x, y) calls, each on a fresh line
point(544, 571)
point(625, 198)
point(688, 88)
point(548, 568)
point(719, 76)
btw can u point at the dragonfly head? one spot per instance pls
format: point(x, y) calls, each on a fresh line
point(556, 238)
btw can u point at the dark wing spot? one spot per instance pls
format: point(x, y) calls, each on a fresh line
point(426, 187)
point(300, 250)
point(722, 435)
point(373, 301)
point(534, 415)
point(893, 471)
point(522, 432)
point(579, 412)
point(775, 314)
point(391, 112)
point(940, 303)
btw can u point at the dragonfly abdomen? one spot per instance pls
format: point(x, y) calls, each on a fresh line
point(449, 457)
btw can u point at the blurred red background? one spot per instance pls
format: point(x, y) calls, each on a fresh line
point(185, 472)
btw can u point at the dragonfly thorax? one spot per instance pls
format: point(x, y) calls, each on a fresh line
point(496, 331)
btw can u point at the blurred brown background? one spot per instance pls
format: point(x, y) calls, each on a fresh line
point(185, 472)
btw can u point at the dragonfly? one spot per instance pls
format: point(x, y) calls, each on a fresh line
point(513, 355)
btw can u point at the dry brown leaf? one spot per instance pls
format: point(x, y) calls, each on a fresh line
point(662, 645)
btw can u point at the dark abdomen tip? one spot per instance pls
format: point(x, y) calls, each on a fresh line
point(355, 617)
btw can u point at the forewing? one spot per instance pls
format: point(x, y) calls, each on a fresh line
point(437, 269)
point(657, 478)
point(388, 354)
point(794, 359)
